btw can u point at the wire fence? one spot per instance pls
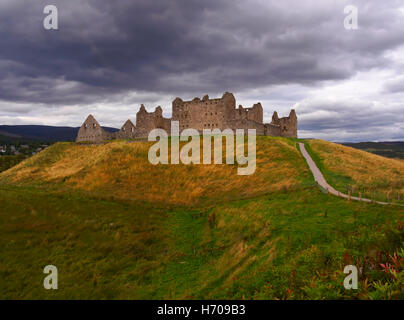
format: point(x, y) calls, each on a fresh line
point(390, 195)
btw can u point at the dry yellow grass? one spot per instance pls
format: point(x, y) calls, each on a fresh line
point(367, 171)
point(121, 169)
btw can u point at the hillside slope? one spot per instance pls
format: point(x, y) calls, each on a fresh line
point(346, 168)
point(118, 227)
point(287, 245)
point(121, 170)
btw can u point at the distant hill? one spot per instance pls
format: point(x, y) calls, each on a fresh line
point(42, 133)
point(389, 149)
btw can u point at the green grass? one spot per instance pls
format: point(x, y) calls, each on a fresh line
point(283, 245)
point(335, 179)
point(6, 162)
point(362, 173)
point(290, 242)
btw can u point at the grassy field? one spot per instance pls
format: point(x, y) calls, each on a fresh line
point(283, 240)
point(283, 245)
point(346, 169)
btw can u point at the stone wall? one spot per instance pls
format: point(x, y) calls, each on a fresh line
point(246, 124)
point(91, 131)
point(147, 121)
point(127, 131)
point(272, 130)
point(199, 114)
point(288, 125)
point(255, 113)
point(219, 113)
point(203, 114)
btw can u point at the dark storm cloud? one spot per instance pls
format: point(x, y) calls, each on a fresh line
point(105, 47)
point(342, 120)
point(114, 53)
point(345, 115)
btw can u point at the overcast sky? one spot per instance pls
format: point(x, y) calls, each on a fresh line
point(108, 57)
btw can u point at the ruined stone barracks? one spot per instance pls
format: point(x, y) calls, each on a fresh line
point(197, 114)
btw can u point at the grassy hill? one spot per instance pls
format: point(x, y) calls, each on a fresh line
point(118, 227)
point(347, 168)
point(7, 162)
point(121, 170)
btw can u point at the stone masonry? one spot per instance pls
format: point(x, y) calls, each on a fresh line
point(197, 114)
